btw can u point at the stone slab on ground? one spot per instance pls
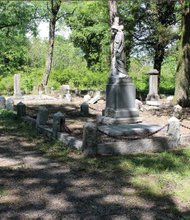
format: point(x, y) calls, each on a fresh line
point(153, 103)
point(129, 129)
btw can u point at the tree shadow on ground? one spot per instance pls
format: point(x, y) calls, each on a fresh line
point(81, 188)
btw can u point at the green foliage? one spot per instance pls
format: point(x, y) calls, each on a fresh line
point(90, 31)
point(80, 78)
point(16, 19)
point(138, 71)
point(167, 80)
point(6, 85)
point(37, 52)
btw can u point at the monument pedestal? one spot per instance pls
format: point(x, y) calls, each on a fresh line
point(120, 102)
point(153, 97)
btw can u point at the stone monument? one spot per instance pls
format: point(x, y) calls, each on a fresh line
point(153, 97)
point(17, 91)
point(120, 91)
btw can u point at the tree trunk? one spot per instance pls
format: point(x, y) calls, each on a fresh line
point(55, 6)
point(49, 58)
point(182, 88)
point(158, 59)
point(112, 10)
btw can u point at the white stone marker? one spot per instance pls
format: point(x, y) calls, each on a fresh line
point(17, 91)
point(153, 97)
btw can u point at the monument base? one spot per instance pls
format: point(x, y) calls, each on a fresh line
point(120, 102)
point(103, 120)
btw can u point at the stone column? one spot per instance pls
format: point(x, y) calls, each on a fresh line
point(42, 116)
point(89, 145)
point(58, 123)
point(21, 109)
point(153, 97)
point(17, 91)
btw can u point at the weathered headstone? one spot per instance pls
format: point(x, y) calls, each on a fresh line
point(89, 146)
point(153, 97)
point(17, 90)
point(84, 109)
point(21, 109)
point(42, 116)
point(174, 130)
point(10, 104)
point(58, 123)
point(2, 102)
point(64, 90)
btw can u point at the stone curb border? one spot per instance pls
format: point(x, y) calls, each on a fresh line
point(48, 132)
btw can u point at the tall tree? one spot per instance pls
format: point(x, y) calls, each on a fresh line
point(112, 10)
point(53, 8)
point(182, 89)
point(16, 20)
point(154, 29)
point(90, 32)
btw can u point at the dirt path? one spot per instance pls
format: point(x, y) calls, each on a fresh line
point(35, 187)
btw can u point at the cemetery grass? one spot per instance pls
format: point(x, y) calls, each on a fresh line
point(160, 177)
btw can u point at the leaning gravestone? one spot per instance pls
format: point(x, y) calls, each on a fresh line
point(17, 90)
point(10, 104)
point(97, 96)
point(2, 102)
